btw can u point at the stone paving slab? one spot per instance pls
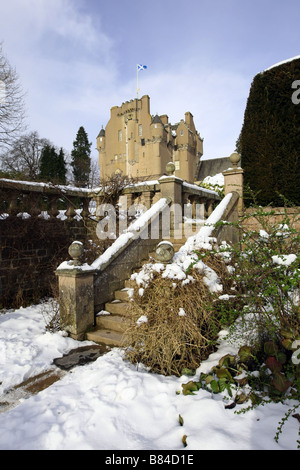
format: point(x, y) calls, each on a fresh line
point(32, 386)
point(81, 356)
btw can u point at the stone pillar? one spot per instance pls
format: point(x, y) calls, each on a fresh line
point(76, 296)
point(147, 199)
point(209, 207)
point(171, 187)
point(233, 179)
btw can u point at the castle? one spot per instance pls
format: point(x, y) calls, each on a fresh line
point(140, 145)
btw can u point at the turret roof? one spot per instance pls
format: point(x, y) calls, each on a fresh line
point(156, 120)
point(101, 133)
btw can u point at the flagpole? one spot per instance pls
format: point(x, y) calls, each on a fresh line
point(138, 68)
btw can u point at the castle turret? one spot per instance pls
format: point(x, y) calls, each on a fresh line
point(101, 139)
point(157, 128)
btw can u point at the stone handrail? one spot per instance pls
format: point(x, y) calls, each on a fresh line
point(148, 192)
point(84, 289)
point(35, 198)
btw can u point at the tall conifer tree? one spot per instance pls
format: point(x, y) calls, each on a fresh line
point(61, 167)
point(81, 160)
point(52, 165)
point(269, 142)
point(46, 163)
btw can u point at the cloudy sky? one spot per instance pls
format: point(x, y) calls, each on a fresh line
point(77, 58)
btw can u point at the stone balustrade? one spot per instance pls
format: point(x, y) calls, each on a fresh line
point(48, 200)
point(43, 199)
point(199, 200)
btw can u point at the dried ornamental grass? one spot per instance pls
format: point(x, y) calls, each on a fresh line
point(170, 326)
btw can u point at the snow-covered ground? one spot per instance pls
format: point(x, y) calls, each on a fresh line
point(112, 405)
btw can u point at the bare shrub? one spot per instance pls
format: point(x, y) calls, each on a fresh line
point(171, 327)
point(50, 312)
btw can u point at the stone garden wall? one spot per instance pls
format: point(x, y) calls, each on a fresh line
point(30, 251)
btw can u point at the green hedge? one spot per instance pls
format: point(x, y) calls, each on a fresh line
point(269, 142)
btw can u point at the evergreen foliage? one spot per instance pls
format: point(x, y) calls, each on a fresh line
point(61, 167)
point(269, 142)
point(52, 165)
point(81, 160)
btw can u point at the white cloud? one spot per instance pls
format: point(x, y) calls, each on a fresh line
point(69, 68)
point(64, 61)
point(215, 97)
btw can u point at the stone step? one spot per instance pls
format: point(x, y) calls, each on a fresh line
point(117, 307)
point(108, 337)
point(129, 283)
point(123, 294)
point(110, 327)
point(111, 322)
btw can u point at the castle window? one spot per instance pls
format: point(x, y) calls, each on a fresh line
point(119, 136)
point(177, 165)
point(140, 130)
point(181, 132)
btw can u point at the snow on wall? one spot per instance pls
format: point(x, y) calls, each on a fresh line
point(283, 62)
point(122, 241)
point(185, 256)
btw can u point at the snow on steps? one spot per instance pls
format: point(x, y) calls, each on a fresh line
point(111, 324)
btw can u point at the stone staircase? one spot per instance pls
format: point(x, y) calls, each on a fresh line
point(111, 322)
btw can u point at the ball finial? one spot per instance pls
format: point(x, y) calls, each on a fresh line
point(75, 251)
point(170, 168)
point(235, 159)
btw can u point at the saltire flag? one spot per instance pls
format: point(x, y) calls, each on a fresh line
point(141, 67)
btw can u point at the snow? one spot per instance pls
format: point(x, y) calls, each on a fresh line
point(185, 256)
point(195, 187)
point(284, 259)
point(51, 185)
point(217, 179)
point(121, 242)
point(203, 238)
point(283, 62)
point(181, 312)
point(112, 405)
point(142, 319)
point(129, 234)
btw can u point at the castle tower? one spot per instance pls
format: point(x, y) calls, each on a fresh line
point(139, 145)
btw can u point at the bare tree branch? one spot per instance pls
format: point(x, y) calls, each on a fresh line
point(23, 159)
point(12, 110)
